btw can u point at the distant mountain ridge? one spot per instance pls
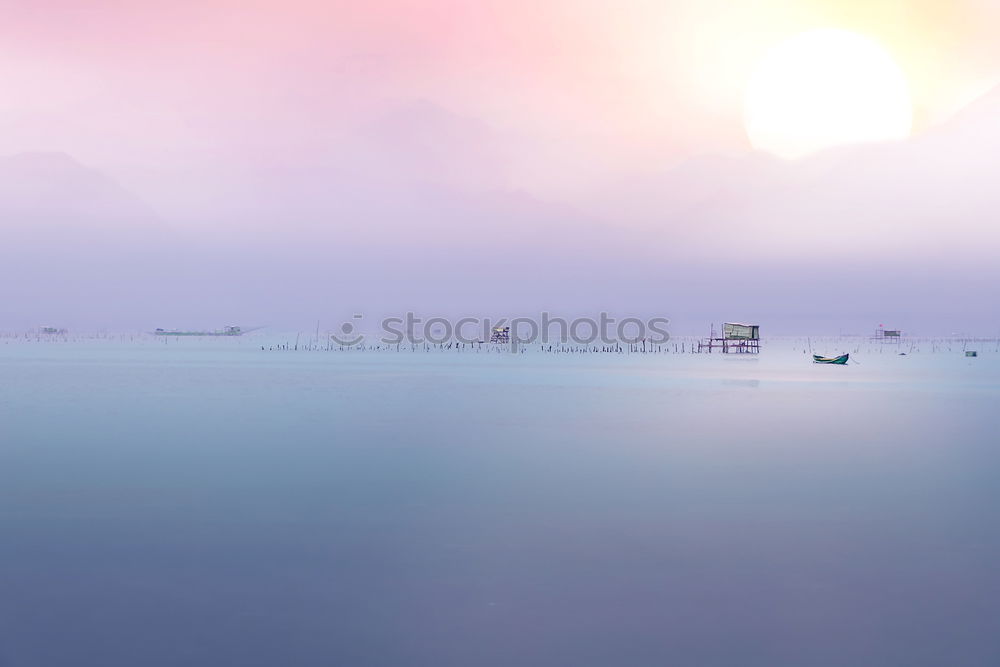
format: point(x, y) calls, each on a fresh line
point(54, 188)
point(428, 219)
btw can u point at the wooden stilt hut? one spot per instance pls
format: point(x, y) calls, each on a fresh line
point(736, 337)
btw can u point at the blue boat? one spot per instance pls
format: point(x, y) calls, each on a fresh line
point(839, 361)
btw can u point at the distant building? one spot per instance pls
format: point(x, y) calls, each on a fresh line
point(736, 337)
point(883, 335)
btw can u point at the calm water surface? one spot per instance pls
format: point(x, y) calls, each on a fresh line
point(208, 503)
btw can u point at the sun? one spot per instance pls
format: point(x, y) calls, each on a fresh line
point(825, 88)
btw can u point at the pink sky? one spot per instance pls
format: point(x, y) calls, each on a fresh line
point(428, 126)
point(188, 83)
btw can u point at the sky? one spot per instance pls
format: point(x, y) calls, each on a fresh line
point(557, 135)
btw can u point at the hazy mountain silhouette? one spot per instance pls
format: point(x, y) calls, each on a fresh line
point(427, 220)
point(421, 141)
point(55, 188)
point(74, 240)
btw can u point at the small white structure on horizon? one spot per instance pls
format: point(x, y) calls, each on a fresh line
point(883, 335)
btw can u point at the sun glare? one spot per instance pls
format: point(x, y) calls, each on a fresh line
point(825, 88)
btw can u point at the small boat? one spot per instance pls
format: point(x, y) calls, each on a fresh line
point(840, 361)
